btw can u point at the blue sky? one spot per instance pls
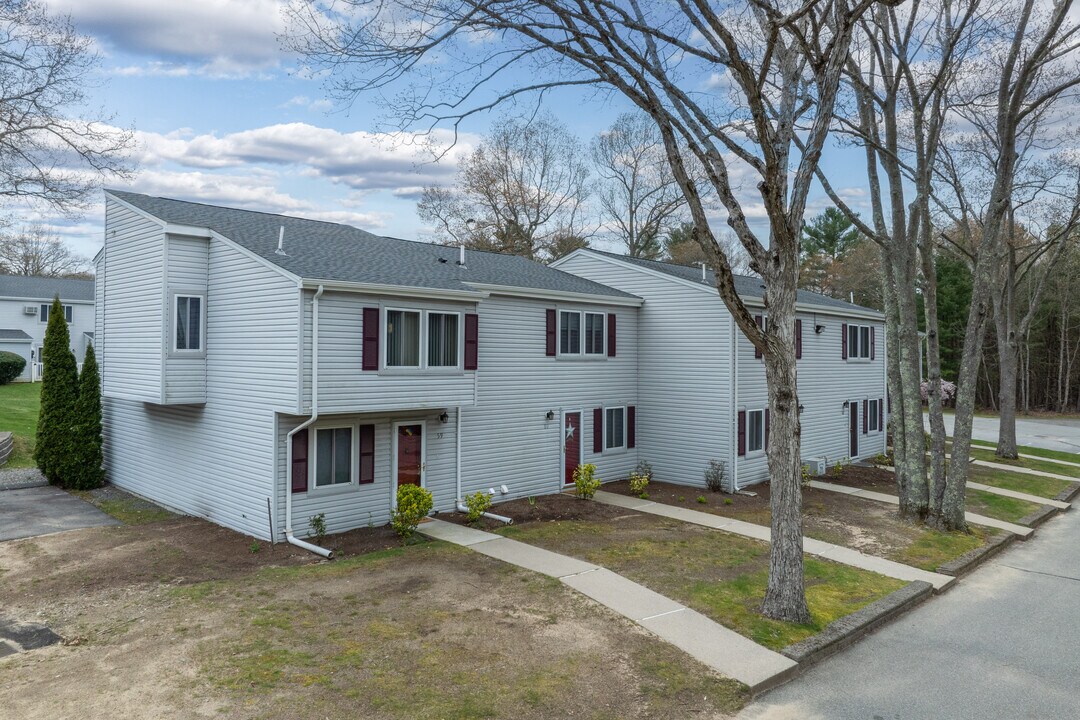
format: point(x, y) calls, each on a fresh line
point(222, 116)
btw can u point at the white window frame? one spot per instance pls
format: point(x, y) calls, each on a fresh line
point(201, 350)
point(855, 350)
point(607, 425)
point(761, 424)
point(43, 312)
point(423, 366)
point(582, 316)
point(872, 415)
point(313, 458)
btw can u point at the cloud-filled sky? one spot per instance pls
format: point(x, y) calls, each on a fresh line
point(221, 115)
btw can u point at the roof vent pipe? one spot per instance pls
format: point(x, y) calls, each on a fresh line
point(702, 264)
point(280, 241)
point(461, 254)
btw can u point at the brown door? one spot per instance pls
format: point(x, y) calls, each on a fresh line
point(410, 454)
point(854, 409)
point(571, 445)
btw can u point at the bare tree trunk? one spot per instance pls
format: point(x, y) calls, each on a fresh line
point(1003, 300)
point(937, 479)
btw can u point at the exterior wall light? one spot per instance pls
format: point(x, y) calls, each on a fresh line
point(444, 418)
point(550, 415)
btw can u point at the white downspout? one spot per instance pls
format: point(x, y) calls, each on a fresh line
point(735, 406)
point(457, 475)
point(314, 416)
point(885, 387)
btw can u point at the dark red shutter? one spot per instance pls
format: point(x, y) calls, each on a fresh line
point(742, 432)
point(550, 334)
point(371, 339)
point(760, 323)
point(865, 412)
point(881, 414)
point(872, 342)
point(367, 454)
point(631, 426)
point(598, 430)
point(843, 341)
point(611, 335)
point(766, 428)
point(299, 471)
point(798, 339)
point(472, 339)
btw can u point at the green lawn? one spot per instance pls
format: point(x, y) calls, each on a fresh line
point(1041, 452)
point(19, 414)
point(932, 548)
point(1004, 508)
point(1020, 482)
point(718, 574)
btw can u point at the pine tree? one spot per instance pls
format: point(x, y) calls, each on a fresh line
point(87, 471)
point(59, 393)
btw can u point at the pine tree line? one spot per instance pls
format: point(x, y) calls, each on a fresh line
point(68, 449)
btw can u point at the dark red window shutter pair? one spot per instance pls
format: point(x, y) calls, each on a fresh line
point(611, 334)
point(472, 340)
point(550, 334)
point(742, 432)
point(598, 430)
point(766, 428)
point(798, 339)
point(299, 470)
point(865, 413)
point(843, 341)
point(761, 324)
point(631, 426)
point(872, 343)
point(367, 454)
point(881, 414)
point(370, 347)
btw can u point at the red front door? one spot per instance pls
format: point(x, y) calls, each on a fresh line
point(571, 445)
point(854, 426)
point(410, 454)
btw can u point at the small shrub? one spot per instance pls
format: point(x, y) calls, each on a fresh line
point(317, 523)
point(638, 484)
point(701, 499)
point(883, 459)
point(838, 469)
point(806, 476)
point(644, 469)
point(413, 505)
point(716, 475)
point(254, 547)
point(729, 501)
point(11, 366)
point(531, 500)
point(585, 481)
point(478, 503)
point(681, 499)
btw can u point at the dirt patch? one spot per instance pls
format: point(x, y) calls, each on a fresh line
point(181, 619)
point(546, 508)
point(862, 476)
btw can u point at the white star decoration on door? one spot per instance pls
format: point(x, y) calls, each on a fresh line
point(570, 432)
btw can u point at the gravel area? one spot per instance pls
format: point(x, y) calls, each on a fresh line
point(16, 478)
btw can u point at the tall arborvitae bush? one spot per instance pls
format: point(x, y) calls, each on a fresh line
point(59, 393)
point(87, 472)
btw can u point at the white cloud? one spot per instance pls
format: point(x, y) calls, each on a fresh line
point(303, 101)
point(216, 37)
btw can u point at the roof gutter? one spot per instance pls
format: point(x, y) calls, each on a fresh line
point(515, 291)
point(397, 290)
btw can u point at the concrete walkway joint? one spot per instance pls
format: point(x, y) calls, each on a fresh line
point(722, 649)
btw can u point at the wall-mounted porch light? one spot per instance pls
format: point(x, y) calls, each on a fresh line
point(444, 418)
point(550, 415)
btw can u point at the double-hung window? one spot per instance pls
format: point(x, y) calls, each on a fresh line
point(615, 428)
point(755, 430)
point(581, 333)
point(859, 341)
point(43, 315)
point(333, 456)
point(403, 338)
point(442, 339)
point(188, 333)
point(872, 414)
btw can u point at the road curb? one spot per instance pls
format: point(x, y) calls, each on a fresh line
point(974, 558)
point(1037, 518)
point(1068, 493)
point(845, 631)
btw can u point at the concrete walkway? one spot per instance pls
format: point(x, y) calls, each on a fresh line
point(994, 489)
point(1020, 530)
point(722, 649)
point(991, 446)
point(828, 551)
point(32, 511)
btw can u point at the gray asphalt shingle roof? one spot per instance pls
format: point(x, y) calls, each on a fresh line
point(317, 250)
point(45, 288)
point(746, 285)
point(6, 334)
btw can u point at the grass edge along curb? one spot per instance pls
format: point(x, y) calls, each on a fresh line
point(974, 558)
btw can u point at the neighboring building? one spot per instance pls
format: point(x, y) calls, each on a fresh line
point(261, 369)
point(24, 313)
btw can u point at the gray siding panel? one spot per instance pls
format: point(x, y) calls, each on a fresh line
point(133, 288)
point(187, 270)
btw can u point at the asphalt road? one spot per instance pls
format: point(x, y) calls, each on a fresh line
point(33, 511)
point(1003, 644)
point(1049, 433)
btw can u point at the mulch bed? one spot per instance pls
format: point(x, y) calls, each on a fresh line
point(862, 476)
point(545, 508)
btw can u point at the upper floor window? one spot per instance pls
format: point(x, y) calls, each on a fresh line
point(859, 341)
point(189, 326)
point(581, 333)
point(403, 338)
point(442, 348)
point(43, 315)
